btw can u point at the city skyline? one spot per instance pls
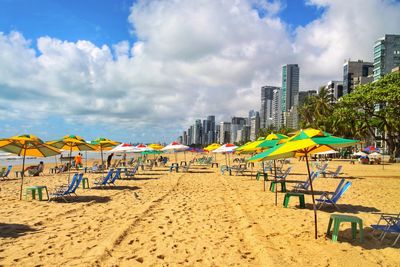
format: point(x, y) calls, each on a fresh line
point(140, 71)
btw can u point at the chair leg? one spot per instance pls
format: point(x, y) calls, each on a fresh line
point(397, 239)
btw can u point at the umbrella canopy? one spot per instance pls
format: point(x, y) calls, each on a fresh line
point(142, 148)
point(360, 153)
point(152, 152)
point(123, 147)
point(225, 148)
point(370, 149)
point(305, 142)
point(27, 145)
point(272, 140)
point(156, 146)
point(375, 155)
point(103, 143)
point(175, 146)
point(251, 146)
point(212, 147)
point(327, 152)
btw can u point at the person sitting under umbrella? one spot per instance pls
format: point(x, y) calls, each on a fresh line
point(35, 170)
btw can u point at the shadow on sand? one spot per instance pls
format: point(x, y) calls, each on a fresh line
point(83, 199)
point(14, 230)
point(346, 208)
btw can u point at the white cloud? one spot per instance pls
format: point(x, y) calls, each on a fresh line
point(191, 59)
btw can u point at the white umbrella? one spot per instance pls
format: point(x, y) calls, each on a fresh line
point(375, 155)
point(123, 148)
point(360, 153)
point(327, 152)
point(142, 148)
point(175, 147)
point(226, 148)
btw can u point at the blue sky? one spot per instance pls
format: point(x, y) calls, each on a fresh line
point(77, 67)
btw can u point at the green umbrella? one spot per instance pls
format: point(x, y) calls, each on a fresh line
point(304, 143)
point(104, 143)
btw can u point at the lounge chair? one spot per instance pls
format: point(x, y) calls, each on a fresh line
point(238, 169)
point(102, 181)
point(64, 191)
point(334, 174)
point(78, 182)
point(131, 173)
point(306, 184)
point(322, 169)
point(284, 175)
point(117, 175)
point(327, 198)
point(6, 172)
point(391, 224)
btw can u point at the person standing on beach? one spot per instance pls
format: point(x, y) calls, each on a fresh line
point(109, 158)
point(78, 160)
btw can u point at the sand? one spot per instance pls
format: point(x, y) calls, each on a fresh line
point(200, 218)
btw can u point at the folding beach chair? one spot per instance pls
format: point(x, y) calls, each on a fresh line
point(306, 184)
point(78, 182)
point(327, 198)
point(64, 191)
point(6, 172)
point(391, 224)
point(284, 175)
point(102, 181)
point(334, 174)
point(117, 175)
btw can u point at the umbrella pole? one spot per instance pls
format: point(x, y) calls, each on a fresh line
point(313, 200)
point(102, 160)
point(276, 189)
point(86, 159)
point(70, 164)
point(22, 174)
point(263, 172)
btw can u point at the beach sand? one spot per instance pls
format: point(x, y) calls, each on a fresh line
point(200, 218)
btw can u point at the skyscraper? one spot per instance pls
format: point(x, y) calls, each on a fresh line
point(211, 130)
point(225, 132)
point(290, 86)
point(386, 55)
point(197, 132)
point(267, 107)
point(277, 110)
point(334, 90)
point(237, 124)
point(254, 126)
point(356, 73)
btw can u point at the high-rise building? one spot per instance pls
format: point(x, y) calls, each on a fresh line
point(304, 94)
point(334, 90)
point(237, 124)
point(217, 133)
point(290, 86)
point(254, 126)
point(267, 109)
point(211, 129)
point(190, 135)
point(276, 108)
point(197, 132)
point(386, 55)
point(225, 132)
point(356, 73)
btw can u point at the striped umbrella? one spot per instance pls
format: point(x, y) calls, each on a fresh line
point(104, 144)
point(27, 145)
point(72, 143)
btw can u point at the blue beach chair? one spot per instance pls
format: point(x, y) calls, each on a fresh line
point(102, 181)
point(117, 175)
point(327, 198)
point(78, 182)
point(6, 173)
point(391, 225)
point(306, 184)
point(64, 191)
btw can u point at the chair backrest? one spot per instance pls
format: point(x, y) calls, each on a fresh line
point(339, 187)
point(338, 170)
point(107, 177)
point(8, 171)
point(286, 173)
point(117, 174)
point(323, 168)
point(336, 197)
point(313, 175)
point(71, 185)
point(78, 182)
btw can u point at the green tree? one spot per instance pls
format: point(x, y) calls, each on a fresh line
point(371, 107)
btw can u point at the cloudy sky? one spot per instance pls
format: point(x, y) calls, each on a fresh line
point(142, 71)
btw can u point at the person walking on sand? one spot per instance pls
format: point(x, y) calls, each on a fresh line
point(78, 160)
point(109, 158)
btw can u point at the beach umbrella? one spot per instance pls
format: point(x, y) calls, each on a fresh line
point(123, 147)
point(304, 143)
point(371, 149)
point(375, 155)
point(27, 145)
point(72, 143)
point(360, 153)
point(175, 147)
point(156, 146)
point(104, 144)
point(212, 147)
point(251, 146)
point(226, 148)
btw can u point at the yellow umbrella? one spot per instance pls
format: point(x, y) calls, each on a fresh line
point(156, 146)
point(104, 144)
point(27, 145)
point(71, 143)
point(212, 147)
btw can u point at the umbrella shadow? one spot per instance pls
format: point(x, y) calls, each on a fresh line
point(84, 199)
point(149, 174)
point(370, 239)
point(197, 171)
point(346, 208)
point(119, 187)
point(13, 230)
point(140, 178)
